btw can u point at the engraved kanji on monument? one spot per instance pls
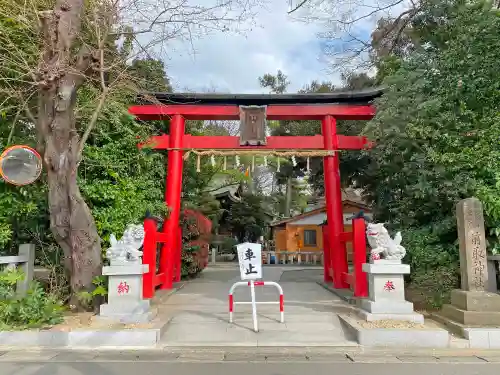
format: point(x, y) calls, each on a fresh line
point(472, 305)
point(472, 244)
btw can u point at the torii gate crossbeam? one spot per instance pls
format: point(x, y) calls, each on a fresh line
point(324, 107)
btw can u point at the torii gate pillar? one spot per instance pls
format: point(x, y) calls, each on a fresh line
point(173, 194)
point(333, 194)
point(325, 107)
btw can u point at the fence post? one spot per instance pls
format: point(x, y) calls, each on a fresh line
point(26, 250)
point(149, 257)
point(214, 255)
point(359, 257)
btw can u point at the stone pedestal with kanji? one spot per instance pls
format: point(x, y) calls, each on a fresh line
point(125, 301)
point(387, 293)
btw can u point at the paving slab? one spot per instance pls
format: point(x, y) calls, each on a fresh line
point(75, 356)
point(285, 357)
point(25, 369)
point(373, 358)
point(200, 312)
point(492, 359)
point(250, 357)
point(258, 355)
point(215, 334)
point(333, 358)
point(263, 325)
point(135, 356)
point(460, 359)
point(418, 359)
point(26, 355)
point(201, 357)
point(303, 338)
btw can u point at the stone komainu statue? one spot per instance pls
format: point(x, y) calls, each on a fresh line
point(382, 244)
point(127, 248)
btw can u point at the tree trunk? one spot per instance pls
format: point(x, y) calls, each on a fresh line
point(71, 221)
point(60, 75)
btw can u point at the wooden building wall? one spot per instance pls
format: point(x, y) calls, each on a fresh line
point(286, 239)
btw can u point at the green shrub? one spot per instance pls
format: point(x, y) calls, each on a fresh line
point(434, 264)
point(228, 245)
point(189, 266)
point(427, 250)
point(34, 310)
point(436, 285)
point(98, 295)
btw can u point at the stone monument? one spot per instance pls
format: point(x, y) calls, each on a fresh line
point(125, 301)
point(386, 278)
point(472, 305)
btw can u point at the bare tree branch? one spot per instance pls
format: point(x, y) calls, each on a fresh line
point(300, 5)
point(348, 45)
point(71, 47)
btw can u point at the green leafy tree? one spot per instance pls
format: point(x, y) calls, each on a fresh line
point(436, 133)
point(277, 84)
point(247, 218)
point(61, 70)
point(288, 173)
point(435, 125)
point(150, 75)
point(351, 162)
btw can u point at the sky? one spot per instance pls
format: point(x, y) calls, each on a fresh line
point(232, 62)
point(228, 62)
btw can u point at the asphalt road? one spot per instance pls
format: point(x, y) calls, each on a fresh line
point(287, 368)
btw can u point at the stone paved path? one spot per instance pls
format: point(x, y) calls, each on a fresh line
point(200, 311)
point(249, 361)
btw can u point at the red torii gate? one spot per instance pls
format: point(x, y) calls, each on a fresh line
point(326, 107)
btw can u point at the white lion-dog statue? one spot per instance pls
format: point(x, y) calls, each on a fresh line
point(382, 244)
point(127, 248)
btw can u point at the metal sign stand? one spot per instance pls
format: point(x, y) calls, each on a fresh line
point(254, 307)
point(252, 284)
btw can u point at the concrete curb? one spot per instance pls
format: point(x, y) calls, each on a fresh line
point(344, 294)
point(122, 338)
point(478, 337)
point(423, 338)
point(82, 339)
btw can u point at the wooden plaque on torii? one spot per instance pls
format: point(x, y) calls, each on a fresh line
point(252, 125)
point(327, 108)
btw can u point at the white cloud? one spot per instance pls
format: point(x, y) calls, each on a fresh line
point(228, 62)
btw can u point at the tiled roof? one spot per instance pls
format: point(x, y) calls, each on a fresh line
point(348, 195)
point(231, 191)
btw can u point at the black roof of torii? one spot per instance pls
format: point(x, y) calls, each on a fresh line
point(342, 97)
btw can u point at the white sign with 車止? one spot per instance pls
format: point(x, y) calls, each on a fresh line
point(250, 259)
